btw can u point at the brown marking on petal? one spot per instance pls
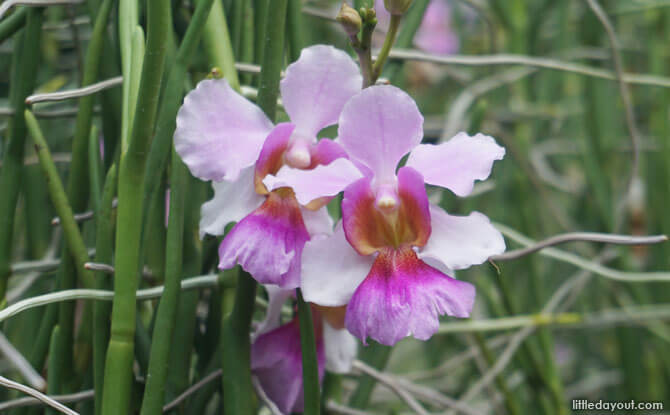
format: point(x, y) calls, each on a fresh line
point(333, 315)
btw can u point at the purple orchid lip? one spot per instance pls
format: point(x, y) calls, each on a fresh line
point(403, 296)
point(268, 242)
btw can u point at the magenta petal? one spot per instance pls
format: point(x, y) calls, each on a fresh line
point(325, 151)
point(268, 243)
point(403, 296)
point(378, 126)
point(457, 163)
point(317, 86)
point(271, 157)
point(276, 360)
point(219, 132)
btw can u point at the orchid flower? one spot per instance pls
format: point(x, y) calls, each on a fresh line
point(388, 257)
point(276, 357)
point(224, 138)
point(435, 34)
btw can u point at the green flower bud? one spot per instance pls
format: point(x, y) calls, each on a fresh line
point(397, 6)
point(350, 20)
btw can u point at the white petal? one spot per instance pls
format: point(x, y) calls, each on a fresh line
point(332, 270)
point(461, 241)
point(317, 222)
point(340, 347)
point(232, 201)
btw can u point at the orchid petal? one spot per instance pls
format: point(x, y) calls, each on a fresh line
point(219, 132)
point(378, 126)
point(317, 222)
point(340, 349)
point(332, 270)
point(369, 230)
point(321, 181)
point(461, 241)
point(231, 202)
point(268, 243)
point(276, 299)
point(403, 296)
point(457, 163)
point(271, 157)
point(316, 87)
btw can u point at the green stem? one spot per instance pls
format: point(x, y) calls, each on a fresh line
point(13, 23)
point(60, 201)
point(104, 254)
point(260, 14)
point(273, 58)
point(56, 375)
point(405, 37)
point(296, 35)
point(310, 365)
point(238, 392)
point(375, 355)
point(386, 47)
point(511, 401)
point(218, 48)
point(118, 367)
point(23, 74)
point(154, 391)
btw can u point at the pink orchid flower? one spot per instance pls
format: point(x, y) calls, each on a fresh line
point(276, 357)
point(388, 257)
point(434, 34)
point(223, 137)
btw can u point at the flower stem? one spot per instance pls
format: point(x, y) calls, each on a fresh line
point(310, 364)
point(386, 47)
point(218, 47)
point(154, 392)
point(14, 22)
point(375, 355)
point(296, 36)
point(118, 367)
point(60, 201)
point(23, 74)
point(405, 37)
point(273, 57)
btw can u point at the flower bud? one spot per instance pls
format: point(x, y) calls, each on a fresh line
point(350, 20)
point(397, 6)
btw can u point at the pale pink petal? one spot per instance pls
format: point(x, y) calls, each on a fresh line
point(403, 296)
point(378, 127)
point(317, 222)
point(231, 202)
point(457, 163)
point(276, 299)
point(461, 241)
point(276, 360)
point(219, 132)
point(332, 270)
point(268, 243)
point(340, 347)
point(317, 86)
point(319, 182)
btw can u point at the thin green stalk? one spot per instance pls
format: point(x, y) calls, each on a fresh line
point(273, 58)
point(130, 64)
point(101, 310)
point(310, 365)
point(13, 23)
point(23, 73)
point(386, 47)
point(237, 388)
point(238, 392)
point(511, 402)
point(172, 98)
point(118, 367)
point(217, 44)
point(294, 24)
point(154, 392)
point(375, 355)
point(56, 374)
point(60, 201)
point(260, 14)
point(236, 24)
point(405, 38)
